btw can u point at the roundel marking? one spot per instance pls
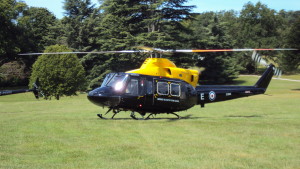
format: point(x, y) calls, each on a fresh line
point(212, 95)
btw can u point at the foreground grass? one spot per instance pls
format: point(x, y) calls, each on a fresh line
point(256, 132)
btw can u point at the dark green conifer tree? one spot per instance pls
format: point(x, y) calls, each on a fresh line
point(209, 33)
point(130, 23)
point(77, 25)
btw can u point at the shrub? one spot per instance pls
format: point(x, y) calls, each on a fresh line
point(58, 74)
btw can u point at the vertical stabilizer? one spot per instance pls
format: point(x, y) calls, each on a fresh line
point(265, 79)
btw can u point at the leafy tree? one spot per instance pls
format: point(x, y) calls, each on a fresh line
point(10, 34)
point(37, 32)
point(290, 60)
point(59, 75)
point(13, 74)
point(258, 28)
point(289, 33)
point(37, 25)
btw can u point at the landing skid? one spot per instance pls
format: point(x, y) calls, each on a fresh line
point(101, 117)
point(154, 114)
point(132, 115)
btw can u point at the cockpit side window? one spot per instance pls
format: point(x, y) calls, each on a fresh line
point(107, 78)
point(142, 87)
point(132, 87)
point(162, 88)
point(113, 78)
point(149, 87)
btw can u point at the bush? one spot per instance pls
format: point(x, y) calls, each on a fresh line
point(13, 74)
point(58, 74)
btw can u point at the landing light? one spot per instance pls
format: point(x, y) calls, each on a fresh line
point(119, 86)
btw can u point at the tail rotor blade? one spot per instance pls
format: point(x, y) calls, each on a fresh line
point(278, 72)
point(36, 90)
point(258, 59)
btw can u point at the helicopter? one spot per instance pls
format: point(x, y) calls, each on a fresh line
point(35, 90)
point(159, 87)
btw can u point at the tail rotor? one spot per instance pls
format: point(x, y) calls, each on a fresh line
point(259, 60)
point(36, 90)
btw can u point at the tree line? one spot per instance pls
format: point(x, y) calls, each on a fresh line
point(166, 24)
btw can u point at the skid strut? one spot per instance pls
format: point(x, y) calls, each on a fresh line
point(151, 114)
point(132, 115)
point(115, 111)
point(175, 115)
point(154, 114)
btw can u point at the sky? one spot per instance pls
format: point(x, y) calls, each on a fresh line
point(56, 6)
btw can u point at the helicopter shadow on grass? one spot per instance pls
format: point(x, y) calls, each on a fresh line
point(187, 117)
point(295, 89)
point(173, 119)
point(244, 116)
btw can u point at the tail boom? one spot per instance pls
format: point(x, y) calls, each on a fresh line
point(216, 93)
point(9, 92)
point(35, 91)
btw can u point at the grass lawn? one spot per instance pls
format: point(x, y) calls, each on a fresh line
point(255, 132)
point(294, 77)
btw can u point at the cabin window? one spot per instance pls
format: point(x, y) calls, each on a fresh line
point(175, 89)
point(132, 87)
point(149, 87)
point(162, 88)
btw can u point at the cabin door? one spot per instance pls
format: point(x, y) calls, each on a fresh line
point(149, 89)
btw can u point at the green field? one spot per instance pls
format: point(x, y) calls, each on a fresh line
point(256, 132)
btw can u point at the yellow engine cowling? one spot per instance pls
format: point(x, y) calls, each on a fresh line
point(165, 68)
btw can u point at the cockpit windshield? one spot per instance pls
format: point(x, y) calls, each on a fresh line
point(115, 80)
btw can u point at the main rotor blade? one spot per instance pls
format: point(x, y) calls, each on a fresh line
point(156, 50)
point(227, 50)
point(96, 52)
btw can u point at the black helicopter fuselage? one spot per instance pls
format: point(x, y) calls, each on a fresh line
point(142, 93)
point(153, 94)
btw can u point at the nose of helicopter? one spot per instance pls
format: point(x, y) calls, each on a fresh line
point(103, 97)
